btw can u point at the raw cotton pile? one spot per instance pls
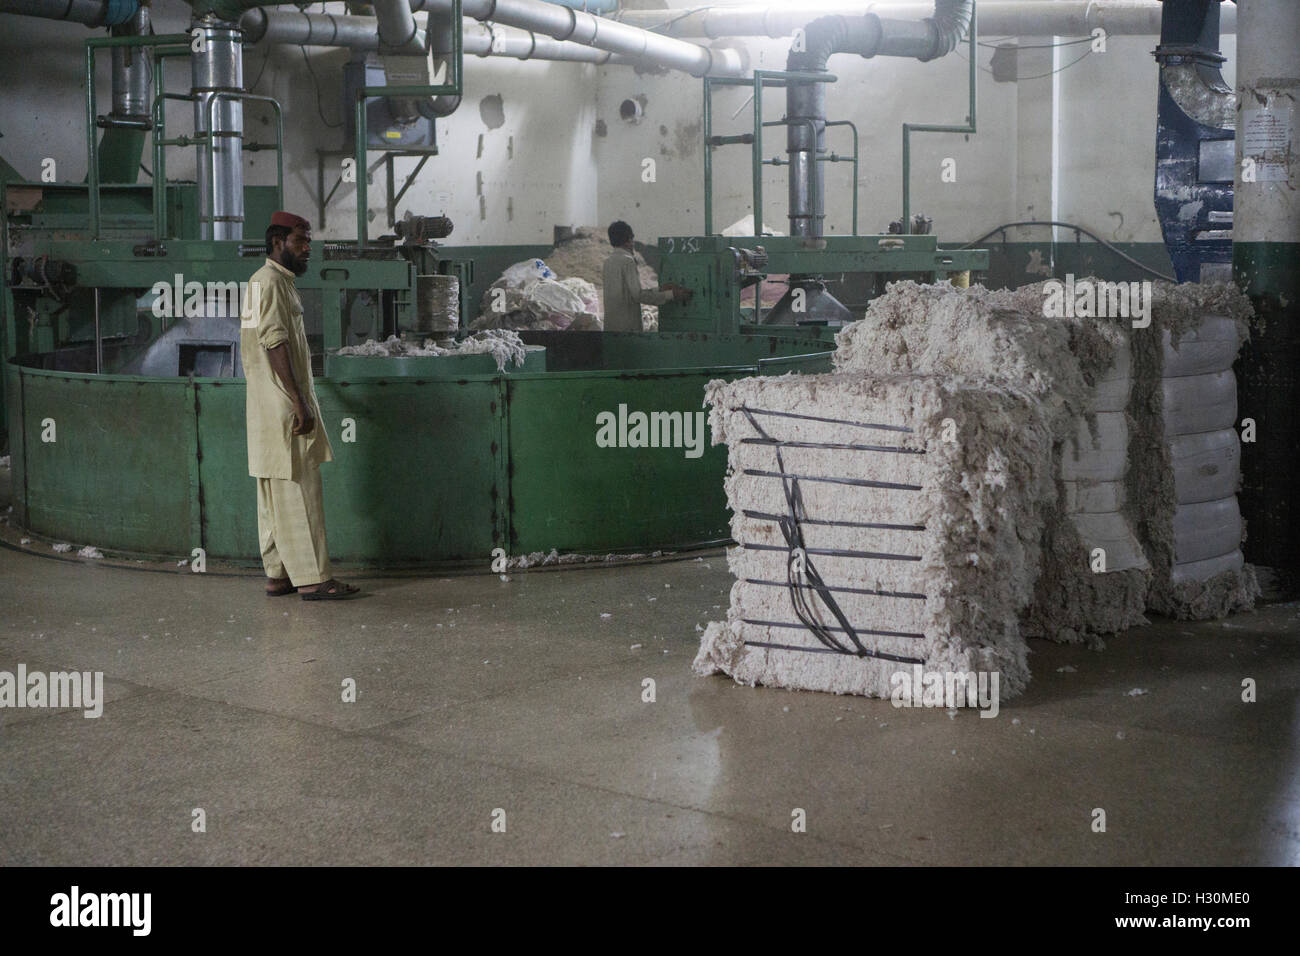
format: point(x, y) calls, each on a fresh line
point(583, 255)
point(502, 344)
point(529, 295)
point(1089, 473)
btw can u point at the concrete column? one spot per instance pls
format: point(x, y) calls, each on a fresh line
point(1266, 264)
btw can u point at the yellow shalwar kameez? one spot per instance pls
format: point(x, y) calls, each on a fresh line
point(290, 507)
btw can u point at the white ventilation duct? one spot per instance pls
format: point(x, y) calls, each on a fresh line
point(997, 17)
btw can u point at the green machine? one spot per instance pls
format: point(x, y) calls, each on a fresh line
point(119, 310)
point(123, 397)
point(719, 269)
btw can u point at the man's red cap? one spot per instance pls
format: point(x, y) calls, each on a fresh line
point(289, 220)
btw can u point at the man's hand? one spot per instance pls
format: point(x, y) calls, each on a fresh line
point(682, 294)
point(303, 422)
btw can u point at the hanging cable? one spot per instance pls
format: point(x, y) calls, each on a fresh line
point(1069, 225)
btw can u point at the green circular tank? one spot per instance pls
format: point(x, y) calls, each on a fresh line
point(434, 462)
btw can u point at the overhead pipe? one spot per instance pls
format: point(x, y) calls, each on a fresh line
point(442, 43)
point(563, 23)
point(294, 28)
point(396, 27)
point(805, 97)
point(92, 13)
point(998, 17)
point(867, 36)
point(403, 47)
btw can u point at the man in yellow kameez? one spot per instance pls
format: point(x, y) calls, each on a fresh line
point(286, 441)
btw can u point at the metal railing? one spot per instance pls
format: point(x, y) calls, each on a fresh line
point(92, 149)
point(762, 78)
point(909, 128)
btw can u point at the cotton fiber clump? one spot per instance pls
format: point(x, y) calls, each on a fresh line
point(561, 292)
point(531, 295)
point(1076, 472)
point(502, 344)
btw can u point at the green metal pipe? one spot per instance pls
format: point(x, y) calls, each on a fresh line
point(850, 124)
point(708, 157)
point(159, 163)
point(756, 156)
point(451, 88)
point(928, 128)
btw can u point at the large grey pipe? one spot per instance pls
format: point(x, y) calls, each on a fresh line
point(866, 36)
point(295, 28)
point(93, 13)
point(132, 73)
point(399, 36)
point(218, 68)
point(564, 23)
point(997, 17)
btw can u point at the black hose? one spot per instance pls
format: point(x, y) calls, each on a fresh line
point(1069, 225)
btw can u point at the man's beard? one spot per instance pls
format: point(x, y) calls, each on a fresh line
point(293, 263)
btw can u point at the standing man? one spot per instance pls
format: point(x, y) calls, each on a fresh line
point(286, 442)
point(622, 284)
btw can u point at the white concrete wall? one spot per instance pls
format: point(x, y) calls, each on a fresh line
point(537, 169)
point(550, 164)
point(1102, 117)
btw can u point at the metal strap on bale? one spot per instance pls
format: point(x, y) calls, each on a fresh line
point(809, 580)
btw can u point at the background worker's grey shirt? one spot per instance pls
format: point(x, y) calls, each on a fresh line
point(623, 293)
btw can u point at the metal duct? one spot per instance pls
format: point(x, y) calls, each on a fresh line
point(216, 69)
point(442, 44)
point(127, 123)
point(867, 36)
point(93, 13)
point(359, 33)
point(132, 73)
point(403, 49)
point(563, 23)
point(397, 30)
point(999, 17)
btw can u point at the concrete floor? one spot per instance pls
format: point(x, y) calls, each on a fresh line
point(476, 694)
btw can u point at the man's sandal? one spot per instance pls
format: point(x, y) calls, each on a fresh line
point(332, 590)
point(282, 587)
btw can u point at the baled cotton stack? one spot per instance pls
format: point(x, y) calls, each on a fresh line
point(1196, 544)
point(1076, 368)
point(1091, 474)
point(924, 545)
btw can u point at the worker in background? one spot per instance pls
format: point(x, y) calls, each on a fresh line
point(621, 284)
point(286, 440)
